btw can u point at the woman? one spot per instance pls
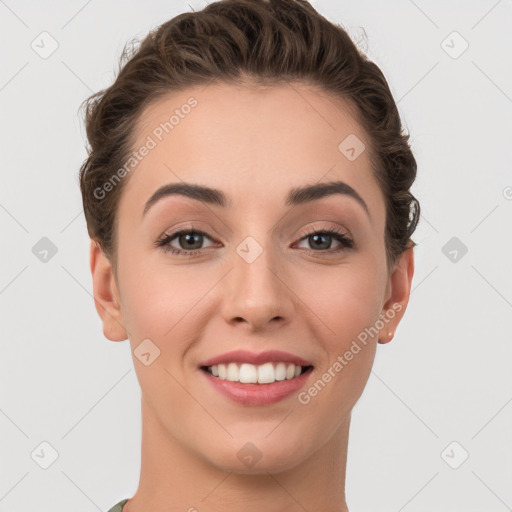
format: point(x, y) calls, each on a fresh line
point(247, 194)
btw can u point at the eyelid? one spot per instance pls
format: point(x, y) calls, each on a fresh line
point(192, 225)
point(326, 228)
point(196, 229)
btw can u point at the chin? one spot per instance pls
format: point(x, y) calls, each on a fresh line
point(260, 456)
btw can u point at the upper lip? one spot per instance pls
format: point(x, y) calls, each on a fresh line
point(243, 356)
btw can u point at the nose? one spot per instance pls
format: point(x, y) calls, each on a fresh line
point(257, 293)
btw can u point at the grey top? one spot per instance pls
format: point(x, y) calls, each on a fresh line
point(118, 507)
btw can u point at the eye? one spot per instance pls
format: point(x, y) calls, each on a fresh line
point(321, 240)
point(189, 242)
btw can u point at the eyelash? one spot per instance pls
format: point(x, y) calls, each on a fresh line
point(340, 236)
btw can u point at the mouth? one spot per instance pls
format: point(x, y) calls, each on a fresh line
point(267, 373)
point(257, 385)
point(256, 379)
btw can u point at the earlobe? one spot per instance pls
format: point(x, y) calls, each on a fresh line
point(106, 296)
point(399, 289)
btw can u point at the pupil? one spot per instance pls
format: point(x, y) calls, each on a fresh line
point(316, 237)
point(187, 238)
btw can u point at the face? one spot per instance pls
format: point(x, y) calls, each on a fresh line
point(259, 269)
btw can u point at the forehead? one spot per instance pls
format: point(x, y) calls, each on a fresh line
point(253, 143)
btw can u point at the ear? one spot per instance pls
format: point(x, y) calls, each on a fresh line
point(397, 295)
point(106, 295)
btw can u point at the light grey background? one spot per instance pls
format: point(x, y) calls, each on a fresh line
point(446, 375)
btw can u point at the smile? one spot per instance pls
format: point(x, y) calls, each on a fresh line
point(246, 373)
point(250, 378)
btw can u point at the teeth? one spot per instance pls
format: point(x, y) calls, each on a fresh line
point(251, 374)
point(233, 373)
point(280, 372)
point(248, 374)
point(266, 373)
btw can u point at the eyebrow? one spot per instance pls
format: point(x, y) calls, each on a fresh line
point(296, 196)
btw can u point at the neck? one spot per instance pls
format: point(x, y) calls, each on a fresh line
point(174, 479)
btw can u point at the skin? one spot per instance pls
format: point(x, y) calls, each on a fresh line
point(254, 144)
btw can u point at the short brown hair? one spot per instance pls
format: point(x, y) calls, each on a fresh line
point(270, 42)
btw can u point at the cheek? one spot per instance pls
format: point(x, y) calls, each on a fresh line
point(346, 303)
point(163, 302)
point(345, 299)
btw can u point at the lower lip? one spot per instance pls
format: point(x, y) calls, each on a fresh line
point(257, 394)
